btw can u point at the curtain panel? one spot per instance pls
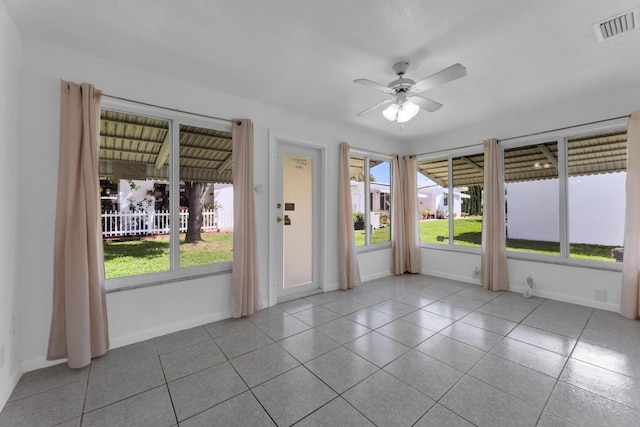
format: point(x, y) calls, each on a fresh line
point(347, 259)
point(398, 232)
point(245, 291)
point(410, 211)
point(630, 301)
point(493, 260)
point(79, 327)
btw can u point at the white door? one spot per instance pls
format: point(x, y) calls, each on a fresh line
point(299, 220)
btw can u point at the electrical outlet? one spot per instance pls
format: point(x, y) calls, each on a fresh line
point(529, 281)
point(476, 273)
point(12, 326)
point(1, 355)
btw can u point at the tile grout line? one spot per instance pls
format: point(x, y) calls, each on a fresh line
point(557, 380)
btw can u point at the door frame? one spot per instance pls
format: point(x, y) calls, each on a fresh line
point(276, 137)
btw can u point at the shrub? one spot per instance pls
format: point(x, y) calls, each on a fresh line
point(358, 221)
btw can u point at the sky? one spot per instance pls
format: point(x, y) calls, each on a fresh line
point(382, 173)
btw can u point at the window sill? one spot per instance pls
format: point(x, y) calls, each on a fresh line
point(372, 248)
point(155, 279)
point(570, 262)
point(451, 248)
point(533, 257)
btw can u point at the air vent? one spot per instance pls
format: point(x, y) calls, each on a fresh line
point(616, 26)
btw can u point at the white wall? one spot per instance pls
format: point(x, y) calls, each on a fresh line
point(576, 285)
point(150, 311)
point(10, 52)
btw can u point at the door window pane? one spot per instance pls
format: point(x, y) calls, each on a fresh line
point(298, 220)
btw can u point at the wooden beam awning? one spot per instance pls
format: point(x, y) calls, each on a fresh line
point(139, 143)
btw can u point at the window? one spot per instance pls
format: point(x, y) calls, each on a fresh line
point(450, 199)
point(565, 197)
point(532, 208)
point(166, 194)
point(371, 182)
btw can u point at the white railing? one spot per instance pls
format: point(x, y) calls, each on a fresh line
point(116, 224)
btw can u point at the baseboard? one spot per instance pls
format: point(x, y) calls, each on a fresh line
point(375, 276)
point(146, 334)
point(456, 277)
point(121, 341)
point(7, 388)
point(608, 306)
point(536, 292)
point(331, 287)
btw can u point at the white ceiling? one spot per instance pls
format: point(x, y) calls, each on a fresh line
point(302, 55)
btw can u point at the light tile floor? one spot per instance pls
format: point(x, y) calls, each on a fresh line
point(399, 351)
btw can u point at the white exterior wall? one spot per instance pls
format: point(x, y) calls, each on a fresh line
point(596, 209)
point(222, 194)
point(432, 198)
point(533, 211)
point(128, 196)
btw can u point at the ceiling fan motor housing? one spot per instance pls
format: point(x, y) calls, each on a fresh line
point(400, 68)
point(401, 84)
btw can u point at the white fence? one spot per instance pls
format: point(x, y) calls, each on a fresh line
point(116, 224)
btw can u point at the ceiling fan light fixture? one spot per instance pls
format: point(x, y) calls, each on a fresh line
point(407, 111)
point(391, 112)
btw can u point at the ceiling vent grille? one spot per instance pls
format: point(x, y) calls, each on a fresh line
point(616, 26)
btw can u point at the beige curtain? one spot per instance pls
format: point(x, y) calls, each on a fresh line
point(494, 253)
point(398, 233)
point(79, 329)
point(245, 292)
point(630, 304)
point(410, 211)
point(348, 261)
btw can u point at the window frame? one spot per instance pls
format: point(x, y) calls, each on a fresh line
point(561, 137)
point(175, 119)
point(367, 156)
point(450, 155)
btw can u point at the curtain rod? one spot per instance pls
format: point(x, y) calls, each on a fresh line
point(564, 128)
point(238, 122)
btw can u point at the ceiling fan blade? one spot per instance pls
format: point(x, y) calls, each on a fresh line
point(424, 103)
point(448, 74)
point(380, 87)
point(378, 105)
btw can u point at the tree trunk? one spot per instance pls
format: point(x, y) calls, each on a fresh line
point(195, 191)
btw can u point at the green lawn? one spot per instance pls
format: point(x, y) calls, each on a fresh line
point(378, 236)
point(468, 232)
point(152, 255)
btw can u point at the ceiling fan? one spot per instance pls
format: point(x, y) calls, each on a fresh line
point(406, 100)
